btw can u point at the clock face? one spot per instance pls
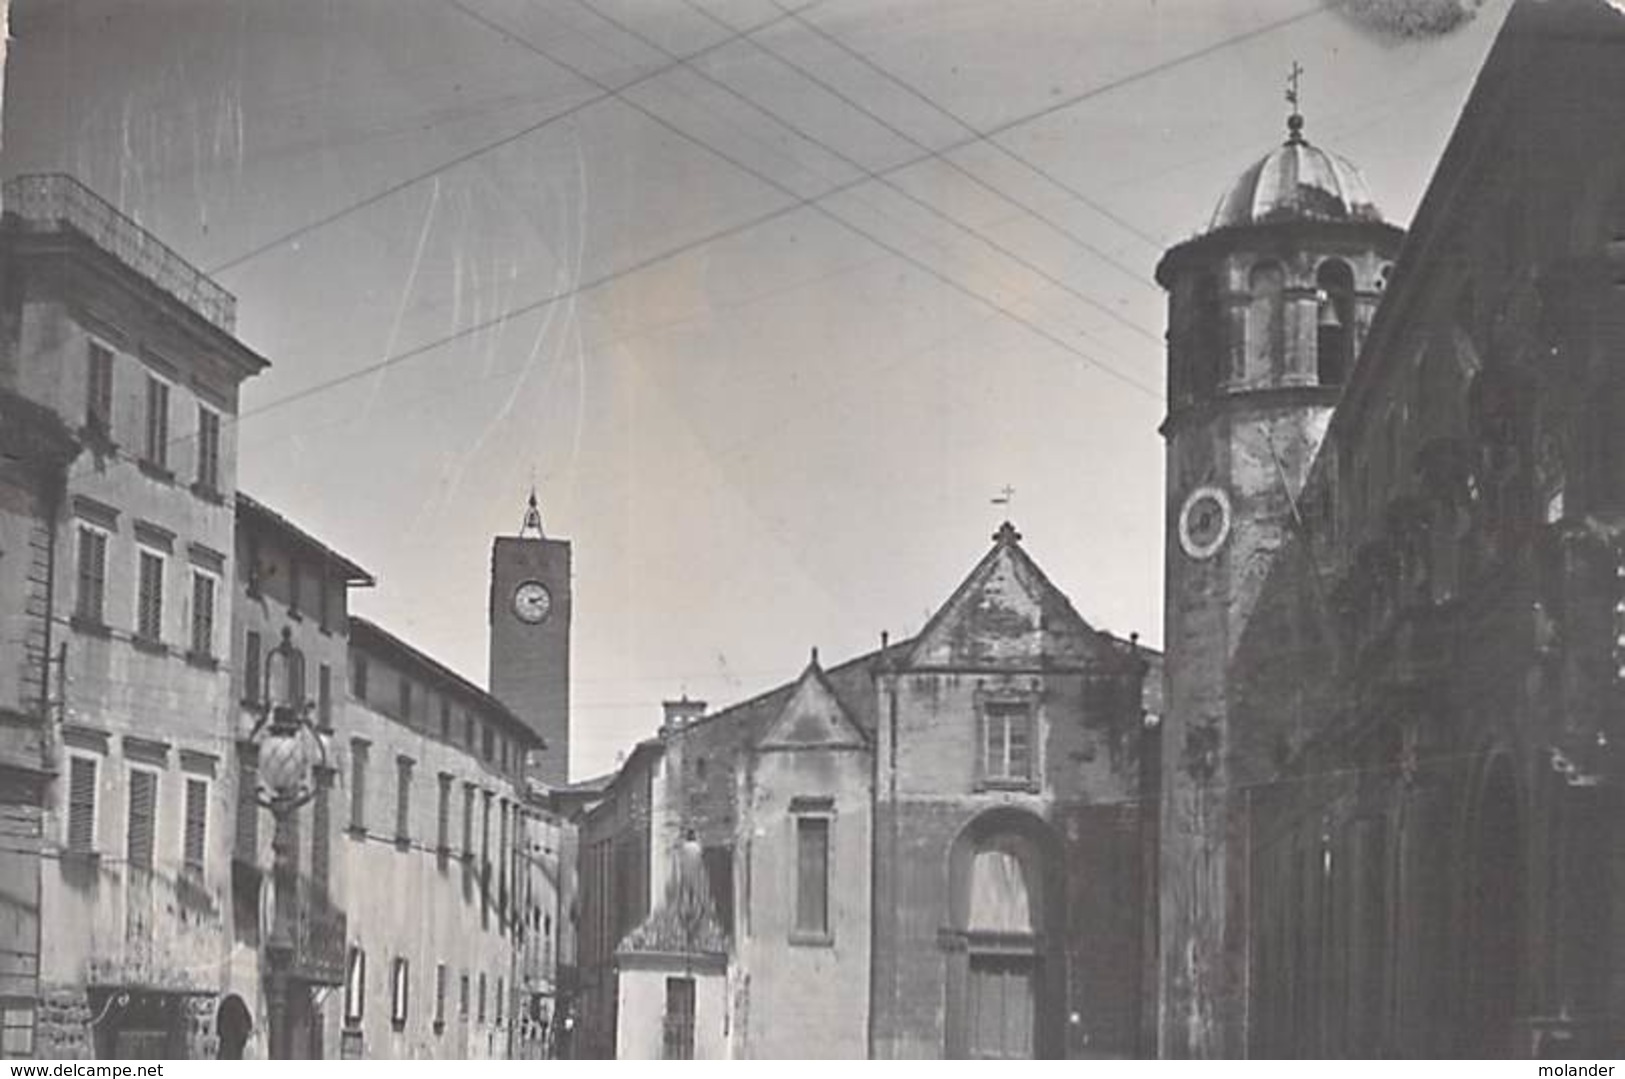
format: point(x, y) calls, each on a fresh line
point(532, 601)
point(1204, 522)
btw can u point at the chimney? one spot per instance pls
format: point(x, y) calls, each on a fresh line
point(681, 713)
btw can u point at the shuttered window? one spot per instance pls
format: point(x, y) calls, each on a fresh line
point(208, 449)
point(157, 422)
point(251, 667)
point(202, 614)
point(400, 989)
point(403, 799)
point(81, 804)
point(468, 820)
point(812, 877)
point(358, 785)
point(678, 1042)
point(439, 995)
point(443, 816)
point(248, 815)
point(358, 677)
point(149, 619)
point(143, 810)
point(99, 391)
point(462, 995)
point(90, 603)
point(197, 823)
point(481, 1014)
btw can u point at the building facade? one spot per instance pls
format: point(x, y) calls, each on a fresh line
point(933, 850)
point(134, 350)
point(1404, 765)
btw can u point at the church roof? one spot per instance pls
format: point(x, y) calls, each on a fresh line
point(1296, 181)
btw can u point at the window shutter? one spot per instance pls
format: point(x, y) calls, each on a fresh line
point(439, 994)
point(443, 819)
point(197, 820)
point(251, 666)
point(248, 813)
point(202, 614)
point(358, 786)
point(403, 798)
point(150, 613)
point(82, 804)
point(143, 805)
point(92, 575)
point(208, 449)
point(812, 875)
point(157, 422)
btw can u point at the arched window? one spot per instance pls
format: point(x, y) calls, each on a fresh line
point(1334, 334)
point(1266, 323)
point(1206, 345)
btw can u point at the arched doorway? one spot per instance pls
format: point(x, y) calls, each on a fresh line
point(1495, 919)
point(1005, 974)
point(233, 1024)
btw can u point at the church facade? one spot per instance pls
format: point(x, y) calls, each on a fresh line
point(1391, 776)
point(937, 849)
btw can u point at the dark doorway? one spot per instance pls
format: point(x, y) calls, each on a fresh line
point(233, 1024)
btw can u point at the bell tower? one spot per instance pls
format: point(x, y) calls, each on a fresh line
point(1267, 310)
point(529, 619)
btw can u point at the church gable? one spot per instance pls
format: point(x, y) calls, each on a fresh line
point(1007, 614)
point(813, 718)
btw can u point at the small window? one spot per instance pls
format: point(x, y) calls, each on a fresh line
point(406, 700)
point(143, 812)
point(443, 816)
point(157, 422)
point(324, 601)
point(358, 785)
point(501, 996)
point(403, 799)
point(81, 804)
point(321, 830)
point(208, 449)
point(468, 820)
point(193, 843)
point(149, 619)
point(468, 731)
point(445, 719)
point(202, 615)
point(400, 983)
point(90, 602)
point(1007, 742)
point(358, 676)
point(16, 1028)
point(99, 391)
point(462, 995)
point(678, 1040)
point(439, 996)
point(480, 1017)
point(488, 743)
point(324, 697)
point(812, 878)
point(296, 586)
point(252, 674)
point(355, 985)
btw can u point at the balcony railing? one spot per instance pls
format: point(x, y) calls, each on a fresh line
point(55, 201)
point(319, 936)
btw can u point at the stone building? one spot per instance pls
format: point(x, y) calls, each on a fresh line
point(121, 340)
point(935, 849)
point(36, 448)
point(286, 582)
point(1394, 668)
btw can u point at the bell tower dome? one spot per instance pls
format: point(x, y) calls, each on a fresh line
point(1266, 312)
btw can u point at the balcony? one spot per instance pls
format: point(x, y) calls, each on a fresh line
point(319, 936)
point(55, 201)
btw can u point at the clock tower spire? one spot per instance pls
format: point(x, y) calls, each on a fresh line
point(529, 619)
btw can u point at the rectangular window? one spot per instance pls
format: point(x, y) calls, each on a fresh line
point(403, 799)
point(400, 981)
point(501, 996)
point(248, 814)
point(197, 824)
point(149, 617)
point(295, 587)
point(202, 615)
point(468, 820)
point(157, 422)
point(468, 731)
point(358, 677)
point(439, 995)
point(143, 809)
point(1007, 742)
point(488, 743)
point(445, 719)
point(16, 1028)
point(358, 786)
point(208, 449)
point(90, 605)
point(324, 618)
point(678, 1043)
point(462, 995)
point(324, 697)
point(443, 818)
point(81, 804)
point(355, 986)
point(502, 857)
point(99, 391)
point(406, 701)
point(321, 830)
point(812, 877)
point(251, 666)
point(480, 1016)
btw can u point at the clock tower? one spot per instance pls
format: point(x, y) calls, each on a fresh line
point(529, 619)
point(1267, 310)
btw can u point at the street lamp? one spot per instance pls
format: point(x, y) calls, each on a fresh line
point(291, 750)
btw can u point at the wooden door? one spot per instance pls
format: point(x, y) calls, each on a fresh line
point(1001, 1019)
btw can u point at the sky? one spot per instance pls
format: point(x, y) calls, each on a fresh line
point(769, 303)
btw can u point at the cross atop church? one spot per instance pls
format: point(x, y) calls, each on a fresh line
point(1007, 494)
point(1294, 122)
point(533, 517)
